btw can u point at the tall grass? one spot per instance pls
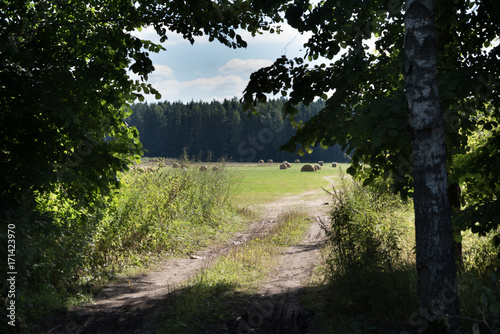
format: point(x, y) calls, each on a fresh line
point(368, 281)
point(160, 211)
point(66, 248)
point(368, 269)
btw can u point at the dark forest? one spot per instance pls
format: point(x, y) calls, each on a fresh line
point(223, 130)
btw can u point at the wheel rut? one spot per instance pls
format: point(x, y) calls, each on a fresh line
point(135, 304)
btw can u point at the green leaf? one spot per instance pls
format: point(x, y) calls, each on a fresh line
point(393, 133)
point(351, 170)
point(376, 141)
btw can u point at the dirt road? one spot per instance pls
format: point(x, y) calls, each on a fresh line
point(134, 305)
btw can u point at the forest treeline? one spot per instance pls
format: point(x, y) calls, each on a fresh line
point(216, 130)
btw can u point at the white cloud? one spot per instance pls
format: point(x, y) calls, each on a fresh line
point(207, 89)
point(288, 36)
point(161, 72)
point(243, 67)
point(218, 83)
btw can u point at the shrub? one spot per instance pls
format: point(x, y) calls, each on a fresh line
point(369, 265)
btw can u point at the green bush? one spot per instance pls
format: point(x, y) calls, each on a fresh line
point(369, 260)
point(368, 230)
point(63, 246)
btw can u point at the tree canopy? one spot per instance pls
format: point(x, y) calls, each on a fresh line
point(425, 91)
point(65, 88)
point(367, 112)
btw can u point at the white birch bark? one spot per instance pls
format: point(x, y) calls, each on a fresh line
point(435, 260)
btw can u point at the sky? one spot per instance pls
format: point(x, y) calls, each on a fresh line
point(207, 71)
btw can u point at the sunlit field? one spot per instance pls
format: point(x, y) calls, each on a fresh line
point(258, 184)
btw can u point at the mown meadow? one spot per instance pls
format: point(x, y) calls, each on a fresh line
point(366, 282)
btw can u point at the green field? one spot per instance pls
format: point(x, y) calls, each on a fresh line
point(259, 184)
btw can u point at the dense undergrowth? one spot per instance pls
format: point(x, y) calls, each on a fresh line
point(368, 281)
point(65, 250)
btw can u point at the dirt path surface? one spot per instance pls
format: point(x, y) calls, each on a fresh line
point(277, 308)
point(133, 305)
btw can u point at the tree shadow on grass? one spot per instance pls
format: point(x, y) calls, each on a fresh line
point(197, 308)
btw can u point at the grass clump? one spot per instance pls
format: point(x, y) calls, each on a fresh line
point(369, 262)
point(478, 282)
point(368, 280)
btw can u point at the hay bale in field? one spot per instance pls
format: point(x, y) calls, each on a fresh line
point(318, 167)
point(307, 168)
point(203, 168)
point(288, 164)
point(270, 161)
point(297, 161)
point(176, 165)
point(334, 164)
point(261, 161)
point(321, 163)
point(283, 166)
point(215, 168)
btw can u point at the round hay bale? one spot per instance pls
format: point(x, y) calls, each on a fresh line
point(261, 161)
point(307, 168)
point(270, 161)
point(297, 161)
point(288, 165)
point(321, 163)
point(318, 167)
point(283, 166)
point(176, 165)
point(334, 164)
point(215, 168)
point(203, 168)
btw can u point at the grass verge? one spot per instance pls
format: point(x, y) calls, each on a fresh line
point(155, 214)
point(367, 282)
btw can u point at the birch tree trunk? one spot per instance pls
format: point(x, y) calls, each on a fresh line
point(437, 286)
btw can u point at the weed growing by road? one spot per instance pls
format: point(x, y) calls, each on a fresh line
point(368, 260)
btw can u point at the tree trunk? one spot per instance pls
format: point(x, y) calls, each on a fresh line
point(437, 286)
